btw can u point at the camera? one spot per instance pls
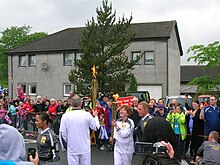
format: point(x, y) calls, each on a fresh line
point(149, 148)
point(31, 151)
point(143, 148)
point(159, 147)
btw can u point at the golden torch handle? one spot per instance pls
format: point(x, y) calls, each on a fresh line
point(114, 113)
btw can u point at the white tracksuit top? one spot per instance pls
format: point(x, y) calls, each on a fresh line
point(74, 129)
point(124, 143)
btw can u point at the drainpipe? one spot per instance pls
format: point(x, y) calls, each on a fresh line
point(167, 68)
point(12, 77)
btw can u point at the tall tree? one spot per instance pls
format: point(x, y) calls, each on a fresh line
point(13, 37)
point(103, 44)
point(210, 56)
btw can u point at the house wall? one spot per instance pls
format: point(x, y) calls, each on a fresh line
point(151, 75)
point(49, 82)
point(173, 65)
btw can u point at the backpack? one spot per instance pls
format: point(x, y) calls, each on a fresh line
point(160, 159)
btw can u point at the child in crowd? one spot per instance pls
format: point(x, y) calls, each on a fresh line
point(4, 119)
point(12, 113)
point(103, 136)
point(22, 116)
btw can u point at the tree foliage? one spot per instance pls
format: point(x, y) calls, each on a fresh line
point(133, 83)
point(103, 44)
point(11, 38)
point(209, 55)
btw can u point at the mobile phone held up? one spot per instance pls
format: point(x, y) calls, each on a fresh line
point(31, 151)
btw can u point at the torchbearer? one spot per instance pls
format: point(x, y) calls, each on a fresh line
point(123, 136)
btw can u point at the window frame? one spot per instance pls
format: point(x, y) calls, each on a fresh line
point(77, 56)
point(29, 89)
point(64, 89)
point(153, 58)
point(132, 56)
point(64, 59)
point(19, 60)
point(29, 60)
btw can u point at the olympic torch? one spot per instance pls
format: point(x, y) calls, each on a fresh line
point(114, 111)
point(94, 87)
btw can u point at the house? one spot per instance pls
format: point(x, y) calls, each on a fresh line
point(41, 67)
point(189, 72)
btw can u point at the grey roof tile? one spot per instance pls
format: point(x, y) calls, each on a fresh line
point(68, 39)
point(189, 72)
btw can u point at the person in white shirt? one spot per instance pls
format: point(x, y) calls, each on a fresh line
point(75, 133)
point(123, 135)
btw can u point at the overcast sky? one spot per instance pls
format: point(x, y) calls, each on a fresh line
point(198, 20)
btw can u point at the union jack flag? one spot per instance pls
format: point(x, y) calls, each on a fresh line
point(7, 118)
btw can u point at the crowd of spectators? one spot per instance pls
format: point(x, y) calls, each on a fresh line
point(191, 124)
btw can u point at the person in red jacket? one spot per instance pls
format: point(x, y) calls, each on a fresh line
point(52, 112)
point(27, 110)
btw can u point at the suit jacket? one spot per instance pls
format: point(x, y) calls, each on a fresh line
point(139, 130)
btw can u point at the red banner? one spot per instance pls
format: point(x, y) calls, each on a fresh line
point(125, 101)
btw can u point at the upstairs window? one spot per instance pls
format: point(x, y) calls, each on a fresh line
point(32, 60)
point(22, 61)
point(134, 57)
point(67, 59)
point(148, 58)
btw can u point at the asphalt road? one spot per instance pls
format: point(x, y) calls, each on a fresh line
point(98, 157)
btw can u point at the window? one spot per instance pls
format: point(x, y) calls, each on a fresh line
point(67, 59)
point(22, 60)
point(148, 57)
point(32, 89)
point(77, 56)
point(32, 60)
point(67, 89)
point(134, 57)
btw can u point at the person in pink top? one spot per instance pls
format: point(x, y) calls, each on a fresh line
point(20, 93)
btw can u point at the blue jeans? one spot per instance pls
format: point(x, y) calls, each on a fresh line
point(181, 144)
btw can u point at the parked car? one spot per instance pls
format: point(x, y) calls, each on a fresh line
point(141, 95)
point(181, 99)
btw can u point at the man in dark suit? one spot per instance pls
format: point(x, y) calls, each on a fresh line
point(145, 117)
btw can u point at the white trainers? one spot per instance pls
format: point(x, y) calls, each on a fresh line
point(102, 148)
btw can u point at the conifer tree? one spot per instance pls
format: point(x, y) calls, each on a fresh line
point(103, 44)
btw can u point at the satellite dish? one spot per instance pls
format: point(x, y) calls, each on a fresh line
point(44, 66)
